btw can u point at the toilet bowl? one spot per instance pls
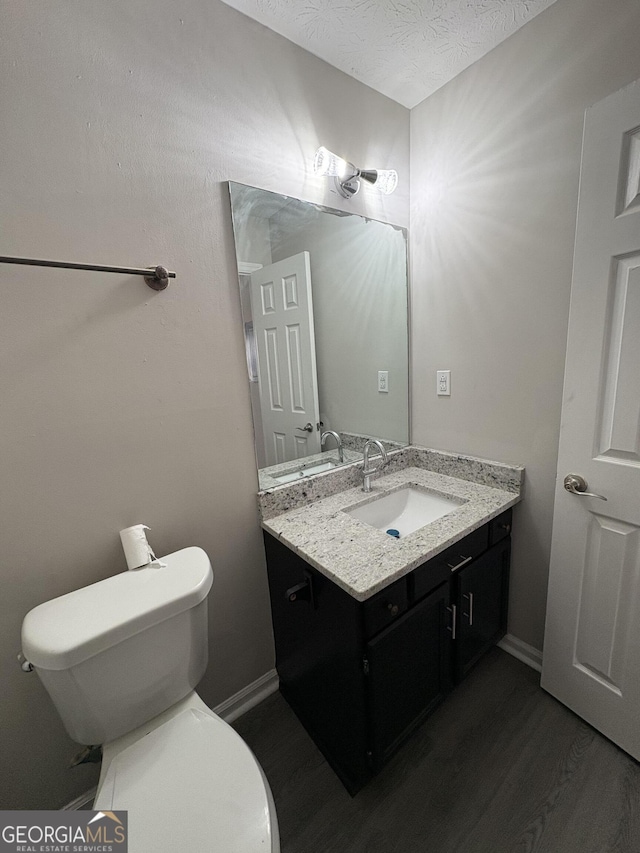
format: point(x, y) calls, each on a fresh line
point(120, 659)
point(188, 782)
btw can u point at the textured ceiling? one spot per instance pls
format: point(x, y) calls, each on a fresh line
point(405, 49)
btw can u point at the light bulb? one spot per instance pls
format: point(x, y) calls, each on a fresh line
point(329, 164)
point(386, 181)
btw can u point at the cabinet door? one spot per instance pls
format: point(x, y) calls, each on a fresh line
point(481, 599)
point(409, 672)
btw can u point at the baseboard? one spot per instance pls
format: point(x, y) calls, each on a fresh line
point(250, 696)
point(523, 651)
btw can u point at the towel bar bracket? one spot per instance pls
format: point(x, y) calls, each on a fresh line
point(159, 280)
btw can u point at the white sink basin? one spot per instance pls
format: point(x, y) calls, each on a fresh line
point(305, 472)
point(405, 510)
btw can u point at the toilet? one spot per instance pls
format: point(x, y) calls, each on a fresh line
point(120, 660)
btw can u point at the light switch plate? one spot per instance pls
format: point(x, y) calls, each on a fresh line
point(443, 383)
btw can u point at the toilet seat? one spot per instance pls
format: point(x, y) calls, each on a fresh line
point(191, 784)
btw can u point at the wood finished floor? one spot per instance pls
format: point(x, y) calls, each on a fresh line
point(501, 767)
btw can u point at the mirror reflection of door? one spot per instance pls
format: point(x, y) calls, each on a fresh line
point(282, 309)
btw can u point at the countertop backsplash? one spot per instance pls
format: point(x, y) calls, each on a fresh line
point(498, 475)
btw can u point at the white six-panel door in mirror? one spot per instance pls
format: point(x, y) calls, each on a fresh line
point(592, 640)
point(283, 326)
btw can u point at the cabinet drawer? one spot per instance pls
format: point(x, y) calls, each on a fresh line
point(382, 609)
point(427, 577)
point(500, 527)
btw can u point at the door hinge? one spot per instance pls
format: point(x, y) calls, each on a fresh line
point(365, 666)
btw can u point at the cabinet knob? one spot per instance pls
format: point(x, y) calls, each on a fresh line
point(393, 609)
point(506, 527)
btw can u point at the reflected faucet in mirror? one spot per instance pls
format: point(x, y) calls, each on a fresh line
point(325, 436)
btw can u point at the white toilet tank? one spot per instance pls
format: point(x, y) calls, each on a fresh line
point(117, 653)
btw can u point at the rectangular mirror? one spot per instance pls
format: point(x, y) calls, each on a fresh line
point(324, 308)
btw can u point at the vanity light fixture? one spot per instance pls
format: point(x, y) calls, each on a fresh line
point(347, 176)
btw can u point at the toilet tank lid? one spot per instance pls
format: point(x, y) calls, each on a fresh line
point(65, 631)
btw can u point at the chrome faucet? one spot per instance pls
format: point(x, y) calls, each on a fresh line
point(325, 436)
point(366, 470)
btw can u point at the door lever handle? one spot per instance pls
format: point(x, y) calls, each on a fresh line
point(577, 485)
point(306, 428)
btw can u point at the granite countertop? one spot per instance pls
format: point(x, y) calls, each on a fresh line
point(363, 560)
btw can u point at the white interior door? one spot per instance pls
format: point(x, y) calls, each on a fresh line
point(282, 308)
point(591, 658)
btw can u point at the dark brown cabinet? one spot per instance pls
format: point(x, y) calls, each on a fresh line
point(409, 673)
point(481, 590)
point(361, 676)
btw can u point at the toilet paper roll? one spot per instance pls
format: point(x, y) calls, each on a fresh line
point(137, 550)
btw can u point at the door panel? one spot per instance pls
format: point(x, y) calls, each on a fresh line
point(605, 617)
point(592, 638)
point(620, 401)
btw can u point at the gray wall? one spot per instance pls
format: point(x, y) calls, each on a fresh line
point(495, 159)
point(121, 121)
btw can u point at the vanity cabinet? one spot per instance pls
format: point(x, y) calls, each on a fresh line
point(361, 676)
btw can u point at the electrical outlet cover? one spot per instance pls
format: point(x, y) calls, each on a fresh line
point(443, 383)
